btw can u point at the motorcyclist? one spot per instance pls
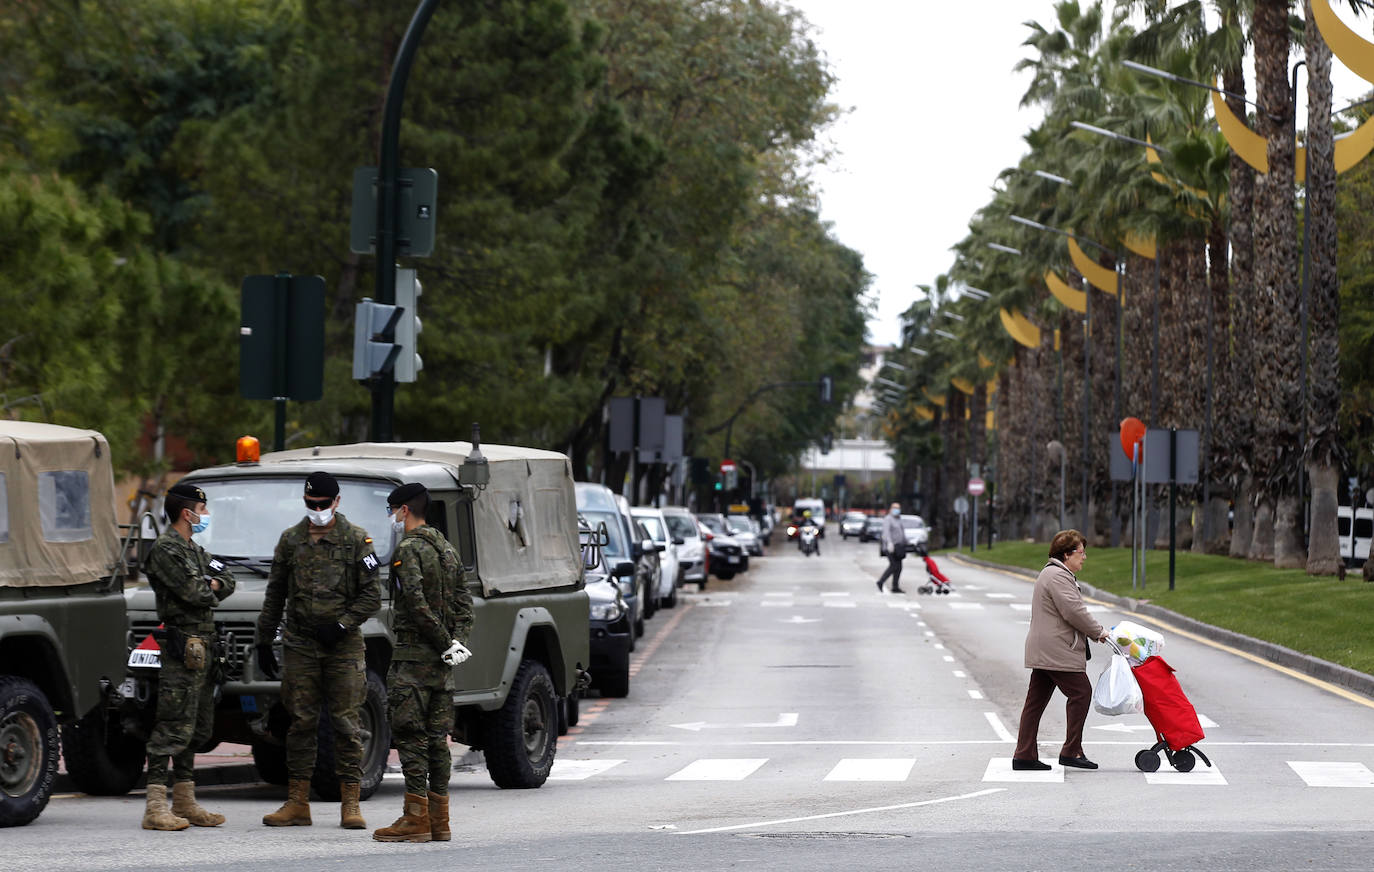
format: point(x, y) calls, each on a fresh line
point(808, 521)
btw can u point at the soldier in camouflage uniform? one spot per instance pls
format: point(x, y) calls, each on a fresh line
point(187, 583)
point(432, 619)
point(324, 576)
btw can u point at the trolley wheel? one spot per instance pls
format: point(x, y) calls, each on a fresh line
point(925, 588)
point(1147, 761)
point(1184, 761)
point(944, 589)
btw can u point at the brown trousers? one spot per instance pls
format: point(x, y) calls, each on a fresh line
point(1078, 689)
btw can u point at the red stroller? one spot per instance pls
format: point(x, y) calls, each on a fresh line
point(1171, 714)
point(936, 582)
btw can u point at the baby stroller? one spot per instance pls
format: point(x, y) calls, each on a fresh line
point(936, 582)
point(1173, 717)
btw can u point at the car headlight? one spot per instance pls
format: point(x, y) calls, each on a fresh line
point(606, 611)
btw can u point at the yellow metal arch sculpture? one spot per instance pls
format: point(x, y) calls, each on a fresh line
point(983, 361)
point(1141, 245)
point(1061, 290)
point(924, 413)
point(939, 401)
point(991, 422)
point(992, 387)
point(1251, 148)
point(963, 386)
point(1099, 276)
point(1346, 44)
point(1020, 329)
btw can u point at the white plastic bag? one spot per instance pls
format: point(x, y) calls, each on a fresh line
point(1117, 692)
point(1136, 642)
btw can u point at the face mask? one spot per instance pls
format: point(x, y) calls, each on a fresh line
point(896, 513)
point(201, 524)
point(398, 524)
point(321, 518)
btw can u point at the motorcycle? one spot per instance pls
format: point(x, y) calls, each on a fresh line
point(807, 539)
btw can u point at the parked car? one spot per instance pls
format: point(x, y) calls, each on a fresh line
point(657, 528)
point(742, 528)
point(872, 529)
point(852, 524)
point(597, 504)
point(651, 552)
point(917, 535)
point(692, 554)
point(727, 554)
point(766, 525)
point(612, 635)
point(644, 552)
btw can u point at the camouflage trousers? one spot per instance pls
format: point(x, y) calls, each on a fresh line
point(185, 720)
point(420, 705)
point(314, 679)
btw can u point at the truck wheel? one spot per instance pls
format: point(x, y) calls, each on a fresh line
point(574, 714)
point(523, 734)
point(271, 762)
point(376, 735)
point(29, 749)
point(102, 759)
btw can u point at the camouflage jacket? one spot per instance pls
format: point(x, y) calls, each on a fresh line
point(333, 578)
point(180, 571)
point(433, 606)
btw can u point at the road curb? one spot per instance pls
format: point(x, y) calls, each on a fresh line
point(1325, 670)
point(206, 776)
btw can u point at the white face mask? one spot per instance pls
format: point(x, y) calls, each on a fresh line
point(322, 518)
point(896, 513)
point(398, 524)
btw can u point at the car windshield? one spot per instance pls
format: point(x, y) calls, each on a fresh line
point(739, 524)
point(616, 546)
point(683, 528)
point(913, 521)
point(854, 516)
point(653, 528)
point(250, 514)
point(713, 523)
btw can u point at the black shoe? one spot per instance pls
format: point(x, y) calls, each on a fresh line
point(1029, 765)
point(898, 590)
point(1077, 762)
point(880, 587)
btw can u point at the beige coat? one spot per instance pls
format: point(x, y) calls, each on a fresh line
point(1059, 622)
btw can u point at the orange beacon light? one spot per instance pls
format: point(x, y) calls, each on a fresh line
point(247, 449)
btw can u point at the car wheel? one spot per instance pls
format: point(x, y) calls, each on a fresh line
point(725, 576)
point(28, 733)
point(650, 603)
point(101, 758)
point(670, 601)
point(522, 736)
point(270, 761)
point(573, 707)
point(375, 731)
point(639, 619)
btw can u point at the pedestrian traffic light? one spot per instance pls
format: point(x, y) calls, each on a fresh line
point(374, 329)
point(408, 362)
point(719, 486)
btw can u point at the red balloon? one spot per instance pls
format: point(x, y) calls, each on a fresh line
point(1132, 432)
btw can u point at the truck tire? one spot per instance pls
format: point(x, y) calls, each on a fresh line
point(29, 750)
point(101, 758)
point(522, 735)
point(376, 733)
point(271, 762)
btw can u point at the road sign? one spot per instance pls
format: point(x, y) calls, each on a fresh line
point(727, 466)
point(975, 487)
point(417, 192)
point(961, 505)
point(281, 338)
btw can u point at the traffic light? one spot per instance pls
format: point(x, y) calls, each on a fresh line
point(373, 353)
point(827, 389)
point(408, 362)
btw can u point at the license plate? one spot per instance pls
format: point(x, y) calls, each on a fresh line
point(145, 657)
point(733, 560)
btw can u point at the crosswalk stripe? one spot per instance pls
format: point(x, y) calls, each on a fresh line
point(999, 769)
point(577, 770)
point(839, 604)
point(1001, 596)
point(966, 606)
point(871, 769)
point(718, 769)
point(1202, 775)
point(1324, 774)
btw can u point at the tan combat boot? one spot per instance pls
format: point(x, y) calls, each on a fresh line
point(296, 810)
point(411, 826)
point(350, 815)
point(156, 815)
point(184, 805)
point(438, 817)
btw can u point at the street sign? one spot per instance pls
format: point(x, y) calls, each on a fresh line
point(281, 338)
point(961, 505)
point(975, 487)
point(417, 190)
point(727, 466)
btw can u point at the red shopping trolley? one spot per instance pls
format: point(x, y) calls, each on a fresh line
point(936, 582)
point(1171, 714)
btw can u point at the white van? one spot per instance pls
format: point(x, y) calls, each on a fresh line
point(813, 505)
point(1355, 545)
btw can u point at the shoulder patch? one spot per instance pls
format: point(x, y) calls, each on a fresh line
point(367, 539)
point(397, 563)
point(216, 564)
point(370, 562)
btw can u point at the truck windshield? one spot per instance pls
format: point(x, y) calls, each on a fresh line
point(250, 514)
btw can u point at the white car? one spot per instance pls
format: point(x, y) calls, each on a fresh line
point(745, 532)
point(691, 551)
point(657, 527)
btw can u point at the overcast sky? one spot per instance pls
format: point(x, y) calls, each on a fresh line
point(932, 118)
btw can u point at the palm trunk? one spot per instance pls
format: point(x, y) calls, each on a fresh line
point(1323, 412)
point(1214, 534)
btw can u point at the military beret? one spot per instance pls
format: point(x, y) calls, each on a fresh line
point(405, 493)
point(186, 491)
point(321, 485)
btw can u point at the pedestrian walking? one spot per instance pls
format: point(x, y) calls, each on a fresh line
point(187, 583)
point(432, 618)
point(1057, 654)
point(324, 580)
point(894, 546)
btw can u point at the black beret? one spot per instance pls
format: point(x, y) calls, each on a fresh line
point(321, 485)
point(405, 493)
point(186, 491)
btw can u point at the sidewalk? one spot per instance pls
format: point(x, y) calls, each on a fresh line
point(223, 764)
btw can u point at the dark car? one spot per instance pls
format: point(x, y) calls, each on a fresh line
point(611, 632)
point(852, 524)
point(727, 554)
point(872, 530)
point(597, 504)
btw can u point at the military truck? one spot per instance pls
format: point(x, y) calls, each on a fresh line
point(511, 514)
point(62, 613)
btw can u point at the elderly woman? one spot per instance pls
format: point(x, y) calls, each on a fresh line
point(1056, 654)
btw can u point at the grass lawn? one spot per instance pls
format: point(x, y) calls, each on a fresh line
point(1319, 616)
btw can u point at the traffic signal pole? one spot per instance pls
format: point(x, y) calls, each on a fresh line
point(388, 169)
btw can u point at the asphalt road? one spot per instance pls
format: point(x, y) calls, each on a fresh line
point(795, 718)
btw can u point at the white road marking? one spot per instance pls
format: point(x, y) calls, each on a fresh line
point(939, 647)
point(734, 769)
point(786, 604)
point(1020, 607)
point(975, 694)
point(835, 593)
point(999, 769)
point(839, 604)
point(998, 728)
point(920, 623)
point(929, 632)
point(959, 673)
point(576, 770)
point(1206, 722)
point(786, 719)
point(835, 814)
point(947, 659)
point(714, 603)
point(972, 587)
point(779, 593)
point(798, 619)
point(967, 606)
point(933, 743)
point(1001, 596)
point(872, 769)
point(1321, 774)
point(1202, 775)
point(1123, 728)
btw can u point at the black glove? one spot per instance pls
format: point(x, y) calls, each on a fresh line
point(328, 633)
point(267, 661)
